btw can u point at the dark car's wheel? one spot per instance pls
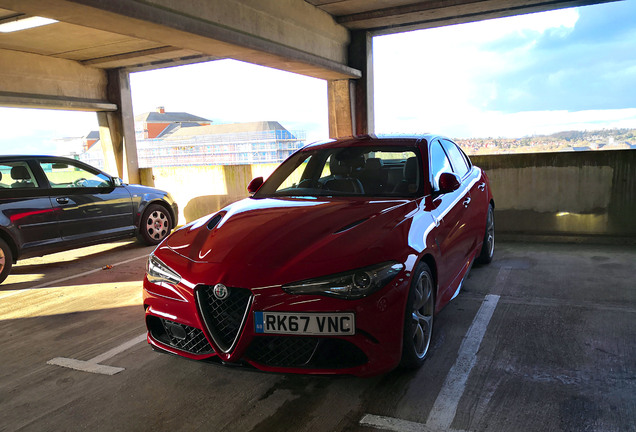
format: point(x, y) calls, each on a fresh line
point(155, 224)
point(418, 319)
point(488, 247)
point(6, 260)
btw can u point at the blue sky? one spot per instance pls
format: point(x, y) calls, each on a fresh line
point(530, 74)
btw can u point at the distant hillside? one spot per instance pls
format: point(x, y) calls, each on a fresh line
point(604, 139)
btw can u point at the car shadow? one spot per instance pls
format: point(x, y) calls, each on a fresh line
point(88, 256)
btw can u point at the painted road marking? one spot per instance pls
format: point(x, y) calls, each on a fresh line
point(445, 406)
point(44, 285)
point(393, 424)
point(93, 365)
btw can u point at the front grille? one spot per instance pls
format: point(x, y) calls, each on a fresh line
point(309, 352)
point(282, 351)
point(224, 318)
point(179, 336)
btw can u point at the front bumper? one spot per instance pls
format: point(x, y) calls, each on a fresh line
point(189, 322)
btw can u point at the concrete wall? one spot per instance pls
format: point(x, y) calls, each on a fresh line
point(201, 190)
point(576, 194)
point(562, 195)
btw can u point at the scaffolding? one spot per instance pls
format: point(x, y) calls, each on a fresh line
point(239, 148)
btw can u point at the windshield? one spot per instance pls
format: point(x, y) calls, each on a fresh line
point(350, 171)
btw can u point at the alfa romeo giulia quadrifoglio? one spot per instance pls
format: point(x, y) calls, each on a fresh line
point(336, 264)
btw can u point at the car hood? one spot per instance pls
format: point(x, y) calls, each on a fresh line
point(261, 242)
point(143, 190)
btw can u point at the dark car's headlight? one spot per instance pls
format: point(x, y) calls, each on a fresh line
point(349, 285)
point(157, 272)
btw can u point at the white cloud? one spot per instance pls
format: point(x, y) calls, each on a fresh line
point(481, 124)
point(454, 74)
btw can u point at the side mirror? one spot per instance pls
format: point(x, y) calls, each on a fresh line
point(448, 182)
point(117, 181)
point(255, 185)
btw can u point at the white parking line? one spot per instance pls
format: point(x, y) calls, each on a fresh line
point(93, 365)
point(393, 424)
point(445, 406)
point(44, 285)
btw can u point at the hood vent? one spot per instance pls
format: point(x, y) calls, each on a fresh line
point(351, 225)
point(215, 221)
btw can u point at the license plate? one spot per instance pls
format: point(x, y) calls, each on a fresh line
point(305, 323)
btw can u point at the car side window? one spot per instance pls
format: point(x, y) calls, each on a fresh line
point(439, 163)
point(68, 175)
point(460, 165)
point(16, 175)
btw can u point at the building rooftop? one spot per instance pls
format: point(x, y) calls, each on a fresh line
point(168, 117)
point(229, 128)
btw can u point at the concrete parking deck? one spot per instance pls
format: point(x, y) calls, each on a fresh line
point(543, 339)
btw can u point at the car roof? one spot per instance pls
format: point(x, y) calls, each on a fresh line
point(374, 140)
point(31, 157)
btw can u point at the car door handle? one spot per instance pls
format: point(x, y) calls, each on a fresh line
point(62, 200)
point(466, 202)
point(482, 186)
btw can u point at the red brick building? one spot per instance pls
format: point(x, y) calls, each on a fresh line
point(157, 123)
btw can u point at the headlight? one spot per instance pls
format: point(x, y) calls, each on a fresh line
point(350, 285)
point(159, 272)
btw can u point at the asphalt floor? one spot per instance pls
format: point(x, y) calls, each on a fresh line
point(542, 339)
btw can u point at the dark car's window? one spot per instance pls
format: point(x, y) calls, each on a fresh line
point(69, 175)
point(458, 160)
point(16, 175)
point(350, 171)
point(439, 163)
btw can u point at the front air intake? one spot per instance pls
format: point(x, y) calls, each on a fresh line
point(179, 336)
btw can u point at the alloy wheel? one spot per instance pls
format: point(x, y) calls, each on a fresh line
point(490, 233)
point(422, 315)
point(157, 225)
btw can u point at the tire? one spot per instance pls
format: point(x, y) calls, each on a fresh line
point(154, 225)
point(488, 246)
point(6, 260)
point(418, 318)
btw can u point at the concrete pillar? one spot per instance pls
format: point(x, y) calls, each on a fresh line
point(117, 129)
point(110, 137)
point(351, 110)
point(340, 108)
point(361, 58)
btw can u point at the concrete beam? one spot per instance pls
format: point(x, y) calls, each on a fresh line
point(35, 81)
point(23, 100)
point(437, 13)
point(286, 34)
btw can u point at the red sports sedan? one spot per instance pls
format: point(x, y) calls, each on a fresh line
point(337, 264)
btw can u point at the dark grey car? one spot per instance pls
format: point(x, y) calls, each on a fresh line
point(49, 204)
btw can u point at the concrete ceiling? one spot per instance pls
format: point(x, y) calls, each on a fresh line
point(103, 34)
point(64, 64)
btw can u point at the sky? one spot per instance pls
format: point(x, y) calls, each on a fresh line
point(570, 69)
point(530, 74)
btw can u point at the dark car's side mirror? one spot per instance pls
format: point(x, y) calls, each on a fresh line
point(255, 185)
point(448, 182)
point(117, 181)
